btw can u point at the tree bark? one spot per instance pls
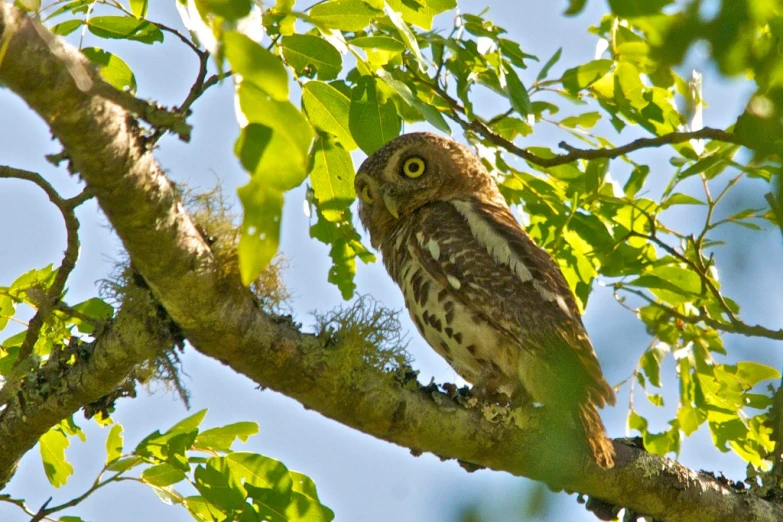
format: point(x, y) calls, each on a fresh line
point(221, 319)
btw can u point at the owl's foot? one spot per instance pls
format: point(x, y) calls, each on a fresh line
point(486, 394)
point(521, 398)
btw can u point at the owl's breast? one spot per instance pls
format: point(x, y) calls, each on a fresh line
point(476, 350)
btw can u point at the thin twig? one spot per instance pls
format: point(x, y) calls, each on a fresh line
point(696, 268)
point(574, 154)
point(50, 298)
point(738, 327)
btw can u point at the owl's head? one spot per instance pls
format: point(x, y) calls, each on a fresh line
point(414, 170)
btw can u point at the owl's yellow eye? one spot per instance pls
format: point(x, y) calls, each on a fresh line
point(414, 167)
point(366, 195)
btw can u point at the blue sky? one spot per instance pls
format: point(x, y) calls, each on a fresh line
point(359, 477)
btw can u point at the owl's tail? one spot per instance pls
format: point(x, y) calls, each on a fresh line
point(595, 434)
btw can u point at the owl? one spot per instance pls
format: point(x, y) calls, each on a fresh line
point(483, 295)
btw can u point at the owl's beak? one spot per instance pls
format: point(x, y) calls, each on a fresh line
point(391, 204)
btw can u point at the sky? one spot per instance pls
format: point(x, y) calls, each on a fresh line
point(359, 477)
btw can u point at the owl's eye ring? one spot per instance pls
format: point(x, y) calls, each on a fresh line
point(366, 195)
point(414, 167)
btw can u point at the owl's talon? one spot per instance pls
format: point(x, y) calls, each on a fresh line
point(490, 396)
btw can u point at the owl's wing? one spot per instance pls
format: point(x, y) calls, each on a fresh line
point(480, 251)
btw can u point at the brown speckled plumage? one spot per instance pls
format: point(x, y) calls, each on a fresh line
point(483, 295)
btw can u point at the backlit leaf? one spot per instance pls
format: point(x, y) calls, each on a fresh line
point(228, 9)
point(346, 15)
point(328, 109)
point(125, 28)
point(577, 78)
point(373, 120)
point(263, 208)
point(139, 8)
point(52, 446)
point(221, 439)
point(162, 475)
point(751, 373)
point(331, 175)
point(114, 443)
point(305, 50)
point(256, 65)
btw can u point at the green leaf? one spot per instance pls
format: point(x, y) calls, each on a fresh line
point(430, 113)
point(517, 93)
point(125, 28)
point(303, 484)
point(52, 445)
point(139, 8)
point(328, 109)
point(690, 419)
point(332, 176)
point(162, 475)
point(228, 9)
point(632, 8)
point(70, 519)
point(575, 7)
point(373, 121)
point(420, 12)
point(29, 6)
point(751, 373)
point(672, 284)
point(510, 127)
point(7, 310)
point(40, 279)
point(346, 246)
point(202, 510)
point(114, 443)
point(277, 158)
point(294, 506)
point(67, 27)
point(650, 363)
point(113, 69)
point(680, 199)
point(578, 78)
point(304, 50)
point(189, 423)
point(549, 64)
point(662, 443)
point(221, 439)
point(636, 180)
point(257, 470)
point(94, 308)
point(382, 43)
point(256, 65)
point(219, 486)
point(122, 465)
point(637, 422)
point(407, 36)
point(345, 15)
point(586, 120)
point(263, 208)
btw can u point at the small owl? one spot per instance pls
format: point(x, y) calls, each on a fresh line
point(483, 295)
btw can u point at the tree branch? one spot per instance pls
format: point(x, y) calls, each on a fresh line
point(222, 319)
point(47, 300)
point(574, 154)
point(129, 340)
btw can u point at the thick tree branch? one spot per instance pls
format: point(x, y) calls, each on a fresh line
point(221, 318)
point(129, 340)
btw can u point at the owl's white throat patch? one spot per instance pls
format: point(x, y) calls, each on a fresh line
point(488, 237)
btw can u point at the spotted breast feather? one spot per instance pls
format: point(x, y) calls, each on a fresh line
point(497, 308)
